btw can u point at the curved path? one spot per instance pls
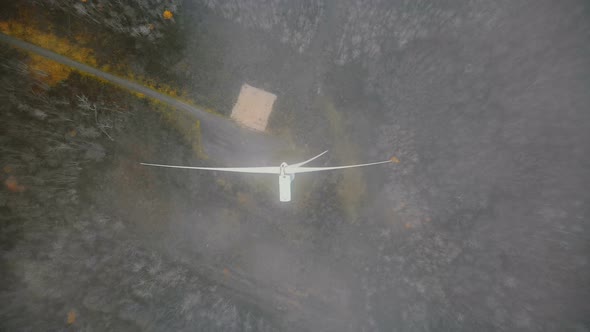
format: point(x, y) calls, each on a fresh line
point(223, 140)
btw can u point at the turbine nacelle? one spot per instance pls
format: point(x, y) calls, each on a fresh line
point(283, 167)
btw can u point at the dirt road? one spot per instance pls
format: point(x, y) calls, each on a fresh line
point(223, 140)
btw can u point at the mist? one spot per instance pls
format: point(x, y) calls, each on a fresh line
point(481, 224)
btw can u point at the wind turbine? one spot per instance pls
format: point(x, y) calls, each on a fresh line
point(285, 171)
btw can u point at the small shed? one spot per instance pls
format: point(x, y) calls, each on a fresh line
point(253, 107)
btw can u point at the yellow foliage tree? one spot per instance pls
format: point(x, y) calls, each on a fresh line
point(71, 317)
point(81, 54)
point(48, 71)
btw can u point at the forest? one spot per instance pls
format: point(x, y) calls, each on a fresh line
point(480, 225)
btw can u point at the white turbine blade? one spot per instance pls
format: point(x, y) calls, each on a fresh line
point(305, 162)
point(257, 170)
point(317, 169)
